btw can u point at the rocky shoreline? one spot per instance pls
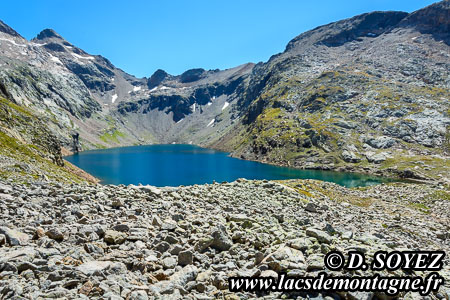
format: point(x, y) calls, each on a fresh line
point(408, 175)
point(84, 241)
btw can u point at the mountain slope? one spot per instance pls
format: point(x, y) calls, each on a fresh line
point(368, 93)
point(97, 105)
point(365, 94)
point(29, 151)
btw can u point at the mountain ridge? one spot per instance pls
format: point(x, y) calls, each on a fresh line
point(295, 109)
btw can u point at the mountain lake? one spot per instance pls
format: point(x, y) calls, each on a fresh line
point(179, 164)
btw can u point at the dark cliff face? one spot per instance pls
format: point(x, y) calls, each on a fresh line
point(8, 30)
point(157, 78)
point(179, 102)
point(48, 33)
point(338, 33)
point(192, 75)
point(433, 19)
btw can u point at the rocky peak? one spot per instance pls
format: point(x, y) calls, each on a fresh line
point(157, 78)
point(433, 19)
point(338, 33)
point(192, 75)
point(8, 30)
point(48, 34)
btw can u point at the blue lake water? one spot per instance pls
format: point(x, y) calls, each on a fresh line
point(174, 165)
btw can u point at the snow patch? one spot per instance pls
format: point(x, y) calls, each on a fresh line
point(180, 120)
point(193, 108)
point(114, 98)
point(214, 97)
point(136, 88)
point(56, 60)
point(209, 103)
point(12, 42)
point(211, 123)
point(153, 89)
point(225, 105)
point(83, 57)
point(164, 87)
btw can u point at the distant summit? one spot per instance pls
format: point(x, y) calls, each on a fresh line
point(47, 34)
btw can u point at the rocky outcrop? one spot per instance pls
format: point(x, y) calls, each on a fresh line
point(8, 30)
point(433, 19)
point(192, 75)
point(354, 29)
point(157, 78)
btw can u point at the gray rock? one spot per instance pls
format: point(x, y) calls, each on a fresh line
point(203, 244)
point(138, 295)
point(347, 235)
point(150, 189)
point(375, 158)
point(95, 267)
point(169, 262)
point(381, 142)
point(121, 227)
point(14, 237)
point(221, 239)
point(185, 257)
point(114, 237)
point(55, 234)
point(315, 262)
point(350, 156)
point(301, 244)
point(94, 248)
point(162, 247)
point(118, 203)
point(311, 207)
point(320, 235)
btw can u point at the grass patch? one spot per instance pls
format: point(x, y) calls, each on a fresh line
point(439, 195)
point(420, 207)
point(112, 137)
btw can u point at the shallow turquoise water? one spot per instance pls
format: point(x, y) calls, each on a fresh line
point(173, 165)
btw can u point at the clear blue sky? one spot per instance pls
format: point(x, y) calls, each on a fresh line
point(141, 36)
